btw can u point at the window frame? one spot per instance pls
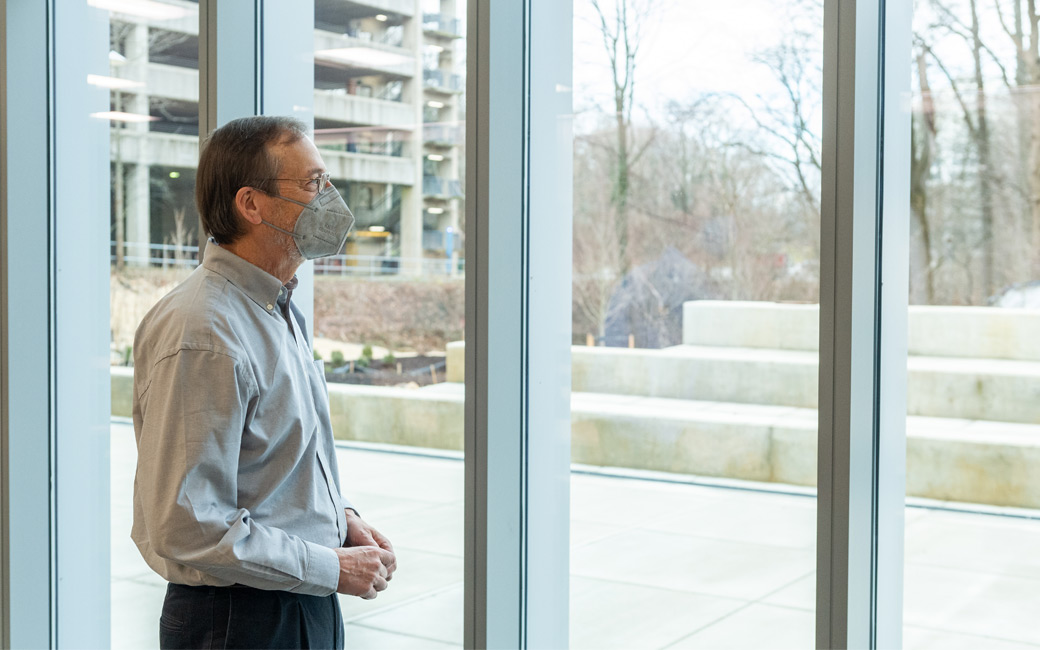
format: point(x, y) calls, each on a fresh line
point(518, 312)
point(55, 363)
point(517, 439)
point(863, 321)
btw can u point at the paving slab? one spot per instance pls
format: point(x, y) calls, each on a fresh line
point(800, 594)
point(972, 603)
point(359, 637)
point(418, 575)
point(919, 638)
point(606, 614)
point(436, 529)
point(436, 616)
point(969, 542)
point(697, 565)
point(756, 627)
point(788, 521)
point(685, 566)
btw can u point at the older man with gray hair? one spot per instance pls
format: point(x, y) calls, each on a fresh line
point(237, 500)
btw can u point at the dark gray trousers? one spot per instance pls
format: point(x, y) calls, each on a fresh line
point(244, 617)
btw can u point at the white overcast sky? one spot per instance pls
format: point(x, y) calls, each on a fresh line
point(695, 46)
point(688, 47)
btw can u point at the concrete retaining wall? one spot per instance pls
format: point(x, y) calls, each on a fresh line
point(774, 377)
point(738, 401)
point(947, 459)
point(975, 332)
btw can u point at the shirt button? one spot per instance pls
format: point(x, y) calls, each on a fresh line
point(270, 306)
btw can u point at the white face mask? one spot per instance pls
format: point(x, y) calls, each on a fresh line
point(323, 225)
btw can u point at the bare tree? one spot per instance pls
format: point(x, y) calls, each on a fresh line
point(1024, 32)
point(794, 138)
point(595, 238)
point(974, 111)
point(181, 235)
point(621, 28)
point(922, 145)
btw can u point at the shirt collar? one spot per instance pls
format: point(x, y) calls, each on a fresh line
point(261, 287)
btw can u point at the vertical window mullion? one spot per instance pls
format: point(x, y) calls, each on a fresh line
point(229, 68)
point(549, 251)
point(894, 296)
point(495, 347)
point(54, 330)
point(26, 329)
point(286, 87)
point(518, 203)
point(862, 324)
point(81, 334)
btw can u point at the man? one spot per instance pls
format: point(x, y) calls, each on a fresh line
point(237, 500)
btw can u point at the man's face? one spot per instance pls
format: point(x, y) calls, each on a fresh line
point(300, 166)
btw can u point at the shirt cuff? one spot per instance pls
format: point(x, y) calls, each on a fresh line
point(320, 572)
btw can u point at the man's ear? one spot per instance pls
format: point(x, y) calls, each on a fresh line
point(246, 204)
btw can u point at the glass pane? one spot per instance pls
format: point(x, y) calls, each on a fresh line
point(154, 90)
point(389, 311)
point(695, 323)
point(971, 576)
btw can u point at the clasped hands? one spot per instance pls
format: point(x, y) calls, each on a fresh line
point(367, 561)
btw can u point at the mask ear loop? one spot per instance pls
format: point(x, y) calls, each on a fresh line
point(291, 234)
point(284, 198)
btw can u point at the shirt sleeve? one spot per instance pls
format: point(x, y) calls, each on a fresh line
point(194, 412)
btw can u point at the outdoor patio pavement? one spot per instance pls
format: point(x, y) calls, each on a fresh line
point(653, 564)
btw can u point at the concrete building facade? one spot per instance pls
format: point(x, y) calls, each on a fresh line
point(388, 119)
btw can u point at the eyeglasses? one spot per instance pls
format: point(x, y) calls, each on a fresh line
point(315, 185)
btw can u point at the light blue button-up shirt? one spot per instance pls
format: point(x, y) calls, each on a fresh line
point(237, 480)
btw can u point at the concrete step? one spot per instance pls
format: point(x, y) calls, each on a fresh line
point(974, 389)
point(979, 332)
point(947, 458)
point(741, 375)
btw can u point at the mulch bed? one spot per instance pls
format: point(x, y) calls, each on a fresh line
point(408, 371)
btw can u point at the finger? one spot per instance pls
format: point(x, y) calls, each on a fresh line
point(383, 542)
point(379, 584)
point(360, 537)
point(370, 594)
point(391, 563)
point(387, 558)
point(382, 572)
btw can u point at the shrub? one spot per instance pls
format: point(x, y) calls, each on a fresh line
point(337, 359)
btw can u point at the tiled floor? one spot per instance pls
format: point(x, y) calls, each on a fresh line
point(653, 565)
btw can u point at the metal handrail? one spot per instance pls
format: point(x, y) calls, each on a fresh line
point(160, 255)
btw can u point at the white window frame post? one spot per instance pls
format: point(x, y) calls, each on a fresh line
point(518, 249)
point(863, 307)
point(256, 57)
point(54, 334)
point(26, 326)
point(229, 86)
point(287, 88)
